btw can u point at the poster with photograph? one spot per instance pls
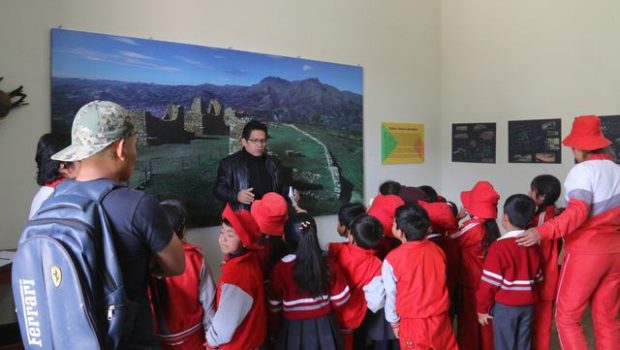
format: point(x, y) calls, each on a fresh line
point(610, 124)
point(402, 143)
point(535, 141)
point(191, 102)
point(473, 142)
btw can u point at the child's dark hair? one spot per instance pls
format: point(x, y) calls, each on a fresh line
point(367, 231)
point(491, 233)
point(310, 274)
point(520, 210)
point(348, 212)
point(413, 221)
point(389, 187)
point(431, 194)
point(47, 168)
point(251, 126)
point(453, 208)
point(549, 186)
point(176, 214)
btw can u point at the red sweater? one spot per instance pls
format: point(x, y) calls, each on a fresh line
point(469, 238)
point(362, 270)
point(509, 274)
point(286, 298)
point(549, 256)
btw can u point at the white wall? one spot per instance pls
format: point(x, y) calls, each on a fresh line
point(511, 60)
point(397, 43)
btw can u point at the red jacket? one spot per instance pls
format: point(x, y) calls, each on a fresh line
point(549, 257)
point(469, 238)
point(240, 321)
point(509, 274)
point(414, 275)
point(362, 270)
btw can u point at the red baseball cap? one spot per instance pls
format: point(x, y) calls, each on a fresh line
point(383, 208)
point(481, 200)
point(586, 134)
point(244, 225)
point(441, 216)
point(270, 213)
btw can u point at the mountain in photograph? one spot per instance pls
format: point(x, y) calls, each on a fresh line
point(306, 101)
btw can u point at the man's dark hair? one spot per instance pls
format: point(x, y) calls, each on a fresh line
point(431, 194)
point(367, 231)
point(348, 212)
point(389, 187)
point(47, 168)
point(549, 186)
point(520, 210)
point(251, 126)
point(413, 221)
point(177, 215)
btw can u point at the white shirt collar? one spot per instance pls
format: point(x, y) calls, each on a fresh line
point(512, 234)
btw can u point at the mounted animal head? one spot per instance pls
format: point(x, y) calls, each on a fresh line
point(6, 100)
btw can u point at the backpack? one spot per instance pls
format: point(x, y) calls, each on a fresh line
point(66, 279)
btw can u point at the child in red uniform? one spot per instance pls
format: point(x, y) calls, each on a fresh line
point(590, 226)
point(545, 190)
point(414, 276)
point(270, 213)
point(183, 305)
point(305, 290)
point(383, 208)
point(474, 237)
point(240, 321)
point(363, 272)
point(508, 276)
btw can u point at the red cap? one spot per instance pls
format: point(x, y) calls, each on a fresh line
point(441, 216)
point(481, 201)
point(270, 213)
point(244, 225)
point(383, 208)
point(586, 134)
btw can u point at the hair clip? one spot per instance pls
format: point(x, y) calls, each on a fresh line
point(304, 225)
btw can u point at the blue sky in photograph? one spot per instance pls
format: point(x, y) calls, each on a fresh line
point(99, 56)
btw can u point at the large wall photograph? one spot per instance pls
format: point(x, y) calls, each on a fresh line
point(190, 103)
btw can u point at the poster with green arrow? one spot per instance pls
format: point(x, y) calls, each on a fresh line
point(402, 143)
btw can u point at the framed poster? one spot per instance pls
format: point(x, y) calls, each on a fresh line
point(402, 143)
point(535, 141)
point(610, 124)
point(473, 142)
point(191, 102)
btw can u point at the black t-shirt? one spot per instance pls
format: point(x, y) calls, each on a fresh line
point(141, 229)
point(258, 176)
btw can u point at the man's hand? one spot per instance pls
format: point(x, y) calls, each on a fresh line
point(529, 237)
point(484, 319)
point(395, 329)
point(246, 196)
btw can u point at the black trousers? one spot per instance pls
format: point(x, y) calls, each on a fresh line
point(512, 327)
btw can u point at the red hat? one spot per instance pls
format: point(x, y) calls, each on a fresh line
point(270, 213)
point(383, 208)
point(481, 201)
point(244, 225)
point(586, 134)
point(441, 216)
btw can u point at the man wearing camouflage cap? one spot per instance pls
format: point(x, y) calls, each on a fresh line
point(103, 139)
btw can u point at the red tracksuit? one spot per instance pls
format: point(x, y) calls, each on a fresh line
point(547, 289)
point(414, 276)
point(182, 319)
point(590, 272)
point(240, 321)
point(470, 334)
point(362, 270)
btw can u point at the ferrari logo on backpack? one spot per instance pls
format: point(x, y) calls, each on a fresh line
point(56, 275)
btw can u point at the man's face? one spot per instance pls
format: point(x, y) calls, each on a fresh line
point(131, 154)
point(256, 144)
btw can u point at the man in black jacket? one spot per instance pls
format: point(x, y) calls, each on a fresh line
point(247, 174)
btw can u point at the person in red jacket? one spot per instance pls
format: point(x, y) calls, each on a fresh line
point(509, 273)
point(383, 207)
point(590, 226)
point(545, 191)
point(270, 213)
point(184, 305)
point(305, 289)
point(474, 237)
point(414, 276)
point(240, 321)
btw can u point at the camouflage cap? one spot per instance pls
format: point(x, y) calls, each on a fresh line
point(96, 125)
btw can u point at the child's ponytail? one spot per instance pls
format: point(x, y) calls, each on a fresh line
point(311, 273)
point(491, 233)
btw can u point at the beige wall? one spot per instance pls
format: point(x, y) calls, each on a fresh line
point(511, 60)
